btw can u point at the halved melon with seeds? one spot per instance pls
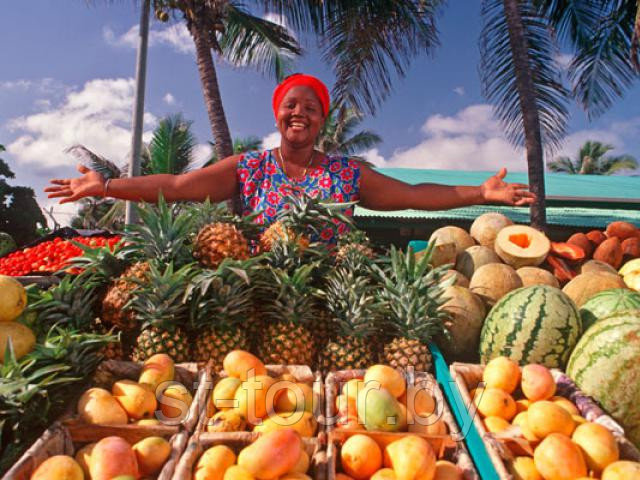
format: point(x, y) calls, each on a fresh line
point(522, 246)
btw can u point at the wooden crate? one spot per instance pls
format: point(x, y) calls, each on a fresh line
point(60, 440)
point(201, 441)
point(301, 373)
point(468, 376)
point(446, 447)
point(197, 380)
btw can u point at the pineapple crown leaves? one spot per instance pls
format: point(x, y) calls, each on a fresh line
point(70, 303)
point(291, 294)
point(207, 213)
point(413, 292)
point(160, 300)
point(99, 265)
point(162, 234)
point(305, 214)
point(221, 297)
point(349, 297)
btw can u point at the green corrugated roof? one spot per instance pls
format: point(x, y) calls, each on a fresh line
point(578, 213)
point(557, 184)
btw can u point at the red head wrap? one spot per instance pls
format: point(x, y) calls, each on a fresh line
point(300, 79)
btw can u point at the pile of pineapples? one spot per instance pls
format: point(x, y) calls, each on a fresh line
point(196, 283)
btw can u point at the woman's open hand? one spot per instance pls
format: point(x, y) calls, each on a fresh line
point(496, 190)
point(90, 184)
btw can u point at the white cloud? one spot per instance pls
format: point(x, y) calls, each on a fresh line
point(373, 156)
point(169, 99)
point(175, 36)
point(97, 116)
point(459, 91)
point(272, 140)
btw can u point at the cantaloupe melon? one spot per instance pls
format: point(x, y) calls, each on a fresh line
point(467, 312)
point(473, 258)
point(537, 276)
point(494, 280)
point(451, 234)
point(485, 228)
point(522, 246)
point(586, 285)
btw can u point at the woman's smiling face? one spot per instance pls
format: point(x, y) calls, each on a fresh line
point(300, 117)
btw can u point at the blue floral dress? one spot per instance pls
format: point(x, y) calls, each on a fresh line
point(263, 186)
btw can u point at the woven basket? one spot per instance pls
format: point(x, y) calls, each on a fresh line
point(467, 377)
point(59, 440)
point(198, 381)
point(447, 447)
point(199, 442)
point(301, 373)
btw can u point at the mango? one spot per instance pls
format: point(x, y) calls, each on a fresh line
point(295, 476)
point(256, 397)
point(384, 474)
point(175, 402)
point(411, 458)
point(148, 422)
point(495, 424)
point(428, 425)
point(297, 397)
point(566, 404)
point(151, 454)
point(502, 373)
point(537, 382)
point(379, 410)
point(272, 454)
point(522, 420)
point(360, 457)
point(418, 400)
point(346, 406)
point(494, 402)
point(213, 463)
point(234, 472)
point(83, 457)
point(557, 457)
point(388, 377)
point(58, 467)
point(546, 417)
point(524, 468)
point(157, 369)
point(243, 365)
point(302, 422)
point(352, 387)
point(598, 445)
point(302, 465)
point(224, 393)
point(522, 405)
point(110, 457)
point(98, 406)
point(136, 399)
point(446, 470)
point(621, 470)
point(227, 421)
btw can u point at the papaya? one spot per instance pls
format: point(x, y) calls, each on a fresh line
point(272, 454)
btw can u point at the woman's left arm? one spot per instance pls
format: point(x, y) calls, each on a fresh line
point(379, 192)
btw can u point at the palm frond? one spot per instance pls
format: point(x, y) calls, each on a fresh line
point(367, 41)
point(612, 165)
point(574, 21)
point(602, 70)
point(171, 148)
point(498, 73)
point(252, 41)
point(95, 162)
point(303, 15)
point(361, 141)
point(563, 165)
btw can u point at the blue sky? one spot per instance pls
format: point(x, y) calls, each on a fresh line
point(67, 73)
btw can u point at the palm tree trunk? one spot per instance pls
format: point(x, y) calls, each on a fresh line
point(529, 109)
point(211, 90)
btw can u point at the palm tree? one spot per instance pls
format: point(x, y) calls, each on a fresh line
point(227, 28)
point(240, 145)
point(591, 160)
point(518, 76)
point(337, 136)
point(169, 151)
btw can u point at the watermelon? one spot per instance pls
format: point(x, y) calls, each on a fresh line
point(606, 365)
point(536, 324)
point(607, 302)
point(7, 244)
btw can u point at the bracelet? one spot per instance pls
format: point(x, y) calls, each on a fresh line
point(106, 187)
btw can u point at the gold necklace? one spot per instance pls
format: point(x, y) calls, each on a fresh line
point(284, 166)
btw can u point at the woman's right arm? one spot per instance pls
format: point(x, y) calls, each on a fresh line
point(217, 182)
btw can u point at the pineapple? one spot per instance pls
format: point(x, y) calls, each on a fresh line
point(160, 307)
point(302, 218)
point(218, 241)
point(354, 240)
point(287, 315)
point(349, 298)
point(162, 236)
point(413, 293)
point(220, 305)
